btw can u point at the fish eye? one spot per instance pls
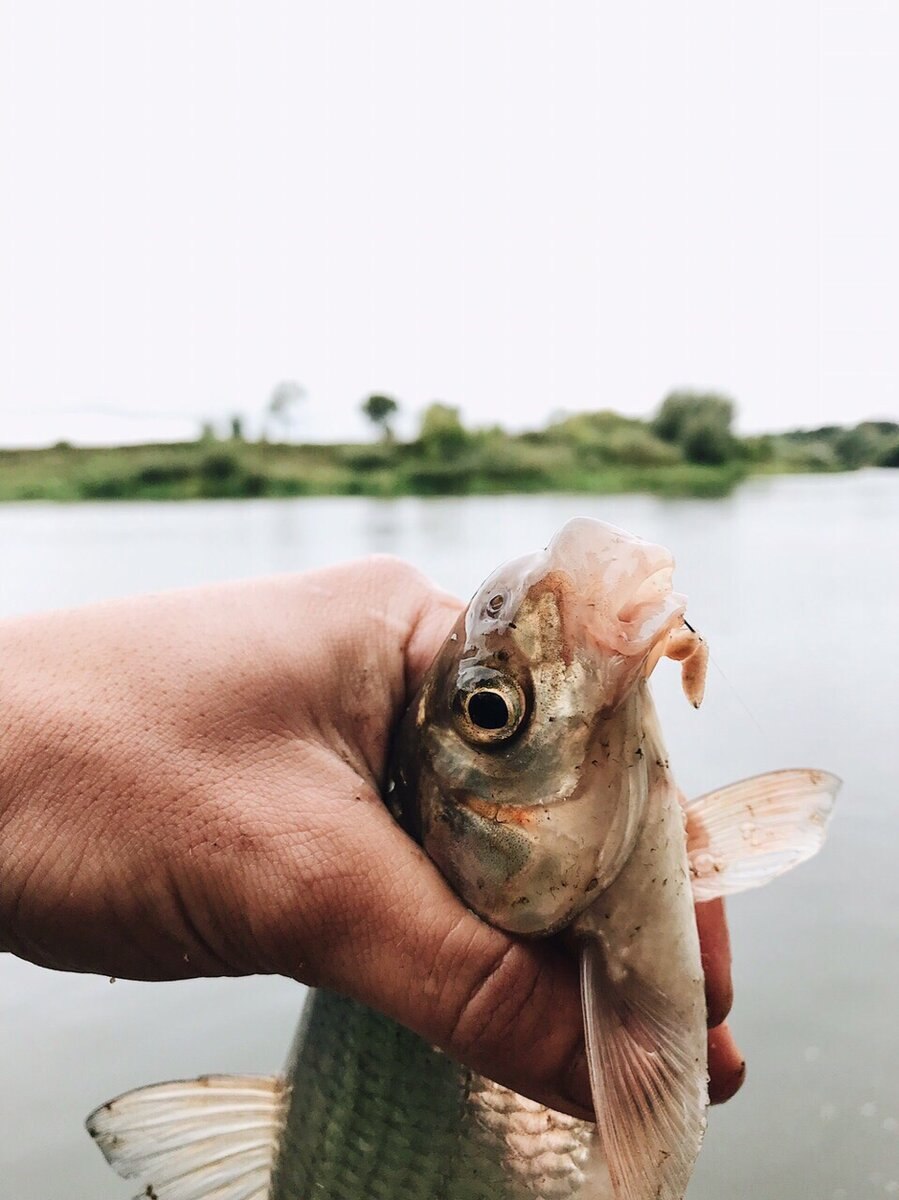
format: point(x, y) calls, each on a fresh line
point(488, 707)
point(487, 710)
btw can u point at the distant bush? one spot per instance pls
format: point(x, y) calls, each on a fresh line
point(275, 485)
point(109, 487)
point(884, 429)
point(593, 428)
point(700, 423)
point(759, 449)
point(635, 447)
point(603, 438)
point(222, 475)
point(154, 474)
point(865, 444)
point(218, 466)
point(366, 458)
point(442, 434)
point(439, 478)
point(856, 447)
point(815, 455)
point(705, 440)
point(823, 433)
point(510, 462)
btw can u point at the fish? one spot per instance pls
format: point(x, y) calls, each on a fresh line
point(531, 768)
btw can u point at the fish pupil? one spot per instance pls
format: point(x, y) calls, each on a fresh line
point(488, 710)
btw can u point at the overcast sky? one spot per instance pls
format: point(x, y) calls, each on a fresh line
point(515, 207)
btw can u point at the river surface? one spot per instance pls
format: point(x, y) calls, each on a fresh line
point(795, 583)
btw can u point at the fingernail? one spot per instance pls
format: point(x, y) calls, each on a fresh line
point(727, 1067)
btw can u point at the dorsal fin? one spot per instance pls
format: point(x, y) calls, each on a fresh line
point(748, 833)
point(213, 1138)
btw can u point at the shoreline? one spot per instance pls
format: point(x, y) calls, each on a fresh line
point(208, 470)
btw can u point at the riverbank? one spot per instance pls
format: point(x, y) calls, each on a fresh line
point(687, 450)
point(194, 470)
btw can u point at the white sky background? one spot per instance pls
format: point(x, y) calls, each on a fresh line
point(516, 207)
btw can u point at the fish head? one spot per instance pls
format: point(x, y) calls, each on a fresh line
point(519, 765)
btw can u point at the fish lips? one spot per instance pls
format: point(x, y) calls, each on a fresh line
point(508, 863)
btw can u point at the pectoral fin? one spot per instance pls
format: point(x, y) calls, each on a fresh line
point(216, 1136)
point(747, 834)
point(649, 1085)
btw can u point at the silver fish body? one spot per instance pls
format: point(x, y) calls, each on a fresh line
point(532, 768)
point(373, 1111)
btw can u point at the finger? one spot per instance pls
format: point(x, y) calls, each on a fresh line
point(438, 614)
point(727, 1067)
point(714, 942)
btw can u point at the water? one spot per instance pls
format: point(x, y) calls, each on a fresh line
point(794, 581)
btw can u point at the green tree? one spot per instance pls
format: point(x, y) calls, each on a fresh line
point(759, 449)
point(698, 422)
point(844, 447)
point(380, 410)
point(857, 447)
point(236, 423)
point(706, 441)
point(443, 436)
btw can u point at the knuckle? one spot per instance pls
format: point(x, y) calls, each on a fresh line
point(394, 570)
point(515, 1016)
point(491, 1003)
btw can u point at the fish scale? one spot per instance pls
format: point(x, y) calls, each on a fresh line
point(374, 1111)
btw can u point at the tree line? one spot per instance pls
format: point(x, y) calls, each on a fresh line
point(687, 447)
point(690, 426)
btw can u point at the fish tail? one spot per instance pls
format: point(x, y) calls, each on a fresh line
point(190, 1139)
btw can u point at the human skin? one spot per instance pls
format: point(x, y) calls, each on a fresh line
point(190, 786)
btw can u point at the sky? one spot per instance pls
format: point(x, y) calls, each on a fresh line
point(514, 207)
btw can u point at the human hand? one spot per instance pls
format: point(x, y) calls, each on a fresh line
point(190, 785)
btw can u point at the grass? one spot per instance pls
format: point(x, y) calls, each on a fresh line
point(198, 470)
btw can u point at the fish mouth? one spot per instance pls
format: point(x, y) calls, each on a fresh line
point(596, 593)
point(615, 587)
point(620, 586)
